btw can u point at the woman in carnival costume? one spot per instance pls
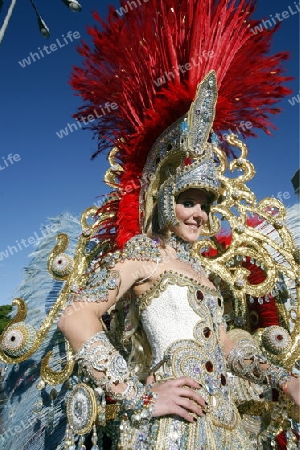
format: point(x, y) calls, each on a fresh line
point(143, 303)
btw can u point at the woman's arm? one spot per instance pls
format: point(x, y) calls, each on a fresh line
point(82, 318)
point(253, 367)
point(81, 325)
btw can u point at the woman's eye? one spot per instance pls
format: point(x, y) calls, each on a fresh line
point(188, 204)
point(205, 207)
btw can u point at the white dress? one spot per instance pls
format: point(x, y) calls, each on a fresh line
point(181, 319)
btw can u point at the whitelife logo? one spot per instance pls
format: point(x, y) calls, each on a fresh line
point(107, 108)
point(48, 49)
point(132, 4)
point(9, 160)
point(279, 17)
point(46, 230)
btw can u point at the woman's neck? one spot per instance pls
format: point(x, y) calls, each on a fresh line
point(183, 253)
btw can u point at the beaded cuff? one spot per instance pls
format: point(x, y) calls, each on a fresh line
point(98, 354)
point(244, 362)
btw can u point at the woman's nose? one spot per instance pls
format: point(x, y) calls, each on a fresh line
point(200, 213)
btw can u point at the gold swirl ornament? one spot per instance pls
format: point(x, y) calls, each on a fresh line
point(115, 169)
point(235, 205)
point(60, 264)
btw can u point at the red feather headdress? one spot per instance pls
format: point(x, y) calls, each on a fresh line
point(148, 64)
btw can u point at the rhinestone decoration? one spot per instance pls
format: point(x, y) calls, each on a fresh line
point(235, 195)
point(239, 321)
point(223, 380)
point(81, 409)
point(40, 385)
point(240, 229)
point(62, 265)
point(204, 365)
point(278, 224)
point(101, 276)
point(18, 339)
point(183, 253)
point(240, 283)
point(117, 367)
point(201, 175)
point(276, 339)
point(202, 112)
point(205, 330)
point(209, 366)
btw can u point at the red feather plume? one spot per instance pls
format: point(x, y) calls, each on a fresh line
point(149, 62)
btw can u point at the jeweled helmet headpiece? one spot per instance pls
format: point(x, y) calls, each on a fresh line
point(149, 83)
point(182, 158)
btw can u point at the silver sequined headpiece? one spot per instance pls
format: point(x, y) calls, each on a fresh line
point(182, 158)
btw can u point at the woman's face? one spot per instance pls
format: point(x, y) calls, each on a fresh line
point(190, 210)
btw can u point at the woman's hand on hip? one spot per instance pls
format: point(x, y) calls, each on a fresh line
point(178, 397)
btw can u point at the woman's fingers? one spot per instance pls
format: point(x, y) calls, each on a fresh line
point(181, 412)
point(178, 397)
point(185, 381)
point(191, 406)
point(186, 392)
point(186, 388)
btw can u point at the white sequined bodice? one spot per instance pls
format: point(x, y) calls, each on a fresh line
point(168, 318)
point(181, 319)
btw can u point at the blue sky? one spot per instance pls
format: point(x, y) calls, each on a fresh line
point(46, 175)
